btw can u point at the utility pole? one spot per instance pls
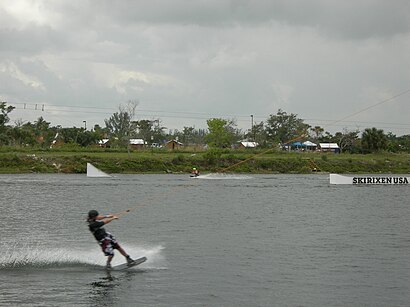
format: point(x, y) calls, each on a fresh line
point(252, 134)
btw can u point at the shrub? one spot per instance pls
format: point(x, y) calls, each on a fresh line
point(178, 159)
point(213, 155)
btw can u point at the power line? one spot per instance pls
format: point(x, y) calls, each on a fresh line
point(205, 116)
point(56, 109)
point(143, 110)
point(139, 115)
point(354, 122)
point(372, 106)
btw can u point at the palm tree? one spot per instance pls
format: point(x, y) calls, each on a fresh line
point(318, 131)
point(374, 139)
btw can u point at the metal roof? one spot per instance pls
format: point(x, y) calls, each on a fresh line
point(309, 143)
point(329, 145)
point(249, 144)
point(137, 142)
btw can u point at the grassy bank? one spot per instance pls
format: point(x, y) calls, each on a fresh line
point(162, 161)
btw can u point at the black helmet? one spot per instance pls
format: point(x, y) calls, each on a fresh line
point(92, 214)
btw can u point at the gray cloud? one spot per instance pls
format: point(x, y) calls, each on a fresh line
point(354, 19)
point(320, 59)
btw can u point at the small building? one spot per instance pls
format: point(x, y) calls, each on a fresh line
point(104, 143)
point(310, 145)
point(245, 144)
point(137, 143)
point(297, 146)
point(173, 144)
point(329, 147)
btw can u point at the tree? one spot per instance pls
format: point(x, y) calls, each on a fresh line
point(403, 143)
point(120, 123)
point(398, 144)
point(158, 135)
point(257, 133)
point(23, 134)
point(317, 132)
point(4, 116)
point(79, 136)
point(199, 136)
point(346, 139)
point(144, 128)
point(100, 133)
point(86, 138)
point(222, 133)
point(42, 131)
point(187, 135)
point(285, 128)
point(327, 138)
point(374, 140)
point(4, 119)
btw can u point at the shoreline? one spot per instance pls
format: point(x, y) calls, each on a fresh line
point(160, 162)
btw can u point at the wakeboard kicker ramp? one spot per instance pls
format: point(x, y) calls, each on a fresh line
point(92, 171)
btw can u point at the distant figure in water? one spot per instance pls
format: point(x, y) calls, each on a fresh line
point(105, 239)
point(195, 172)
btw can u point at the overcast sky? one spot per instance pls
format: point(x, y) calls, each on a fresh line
point(336, 64)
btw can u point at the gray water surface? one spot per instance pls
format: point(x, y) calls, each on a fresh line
point(260, 240)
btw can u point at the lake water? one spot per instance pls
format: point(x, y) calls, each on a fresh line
point(260, 240)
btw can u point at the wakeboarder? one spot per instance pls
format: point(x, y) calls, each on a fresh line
point(105, 239)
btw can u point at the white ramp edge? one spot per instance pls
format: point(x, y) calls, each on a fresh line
point(92, 171)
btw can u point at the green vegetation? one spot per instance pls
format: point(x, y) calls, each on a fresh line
point(41, 148)
point(281, 129)
point(25, 160)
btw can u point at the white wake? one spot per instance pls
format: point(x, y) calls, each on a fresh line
point(40, 257)
point(217, 176)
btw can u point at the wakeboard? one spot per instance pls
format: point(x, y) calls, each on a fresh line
point(125, 266)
